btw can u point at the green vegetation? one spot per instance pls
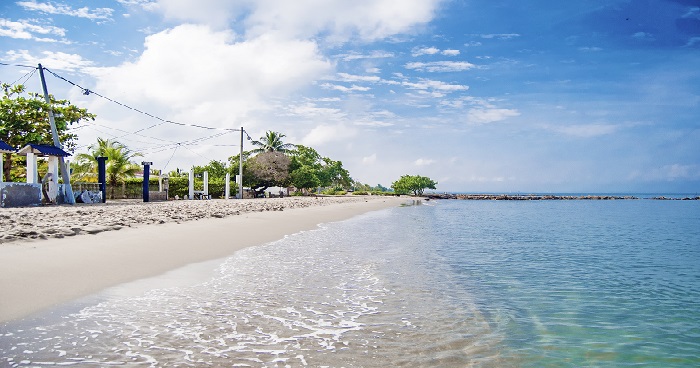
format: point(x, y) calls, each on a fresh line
point(415, 184)
point(24, 119)
point(119, 166)
point(272, 142)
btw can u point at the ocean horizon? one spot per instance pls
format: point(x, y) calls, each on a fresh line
point(441, 283)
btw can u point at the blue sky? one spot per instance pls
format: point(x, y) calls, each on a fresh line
point(496, 96)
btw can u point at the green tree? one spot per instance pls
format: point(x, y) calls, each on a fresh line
point(304, 178)
point(272, 142)
point(119, 166)
point(216, 169)
point(413, 183)
point(24, 119)
point(268, 169)
point(327, 172)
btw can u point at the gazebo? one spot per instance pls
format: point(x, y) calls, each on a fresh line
point(32, 151)
point(4, 148)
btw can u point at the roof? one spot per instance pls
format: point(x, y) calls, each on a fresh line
point(6, 148)
point(43, 150)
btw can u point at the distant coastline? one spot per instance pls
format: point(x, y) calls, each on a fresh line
point(550, 197)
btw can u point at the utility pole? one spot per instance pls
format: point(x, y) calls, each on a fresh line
point(240, 167)
point(68, 198)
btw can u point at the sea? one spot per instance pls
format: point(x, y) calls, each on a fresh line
point(441, 283)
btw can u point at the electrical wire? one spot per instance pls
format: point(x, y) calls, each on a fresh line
point(89, 92)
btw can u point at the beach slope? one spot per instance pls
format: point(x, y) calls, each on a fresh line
point(39, 274)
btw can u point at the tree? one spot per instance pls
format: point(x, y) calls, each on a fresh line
point(326, 172)
point(215, 168)
point(272, 142)
point(304, 178)
point(267, 169)
point(25, 120)
point(416, 184)
point(118, 166)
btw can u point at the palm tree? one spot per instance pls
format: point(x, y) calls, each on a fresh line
point(119, 165)
point(272, 142)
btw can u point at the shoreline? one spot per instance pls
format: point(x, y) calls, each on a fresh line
point(40, 274)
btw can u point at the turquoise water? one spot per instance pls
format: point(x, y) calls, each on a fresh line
point(442, 284)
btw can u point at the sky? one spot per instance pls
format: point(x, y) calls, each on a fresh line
point(593, 96)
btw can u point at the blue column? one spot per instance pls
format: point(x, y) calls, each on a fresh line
point(102, 177)
point(146, 177)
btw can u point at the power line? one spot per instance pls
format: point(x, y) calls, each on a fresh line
point(25, 77)
point(89, 92)
point(18, 65)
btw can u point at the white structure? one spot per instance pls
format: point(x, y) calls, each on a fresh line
point(202, 193)
point(227, 186)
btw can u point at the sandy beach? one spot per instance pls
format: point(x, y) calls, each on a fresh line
point(53, 255)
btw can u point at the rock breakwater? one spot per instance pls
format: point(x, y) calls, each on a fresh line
point(544, 197)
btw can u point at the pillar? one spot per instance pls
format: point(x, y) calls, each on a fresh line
point(227, 186)
point(102, 176)
point(146, 178)
point(206, 183)
point(191, 184)
point(32, 174)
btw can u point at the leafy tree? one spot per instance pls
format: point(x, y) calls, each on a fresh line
point(333, 174)
point(272, 142)
point(25, 119)
point(267, 169)
point(304, 178)
point(327, 172)
point(119, 166)
point(416, 184)
point(215, 168)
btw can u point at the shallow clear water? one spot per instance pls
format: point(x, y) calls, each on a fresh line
point(450, 283)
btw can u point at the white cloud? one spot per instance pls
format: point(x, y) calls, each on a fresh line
point(368, 19)
point(490, 115)
point(310, 110)
point(377, 54)
point(345, 77)
point(450, 52)
point(590, 49)
point(418, 51)
point(644, 36)
point(52, 60)
point(150, 5)
point(323, 134)
point(26, 30)
point(423, 162)
point(337, 87)
point(427, 84)
point(62, 9)
point(336, 20)
point(500, 36)
point(195, 72)
point(373, 123)
point(369, 159)
point(441, 66)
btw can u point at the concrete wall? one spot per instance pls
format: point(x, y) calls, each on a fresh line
point(20, 194)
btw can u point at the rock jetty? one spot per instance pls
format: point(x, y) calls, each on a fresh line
point(544, 197)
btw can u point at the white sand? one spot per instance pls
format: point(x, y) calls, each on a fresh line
point(59, 266)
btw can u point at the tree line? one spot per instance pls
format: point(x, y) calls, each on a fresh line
point(271, 163)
